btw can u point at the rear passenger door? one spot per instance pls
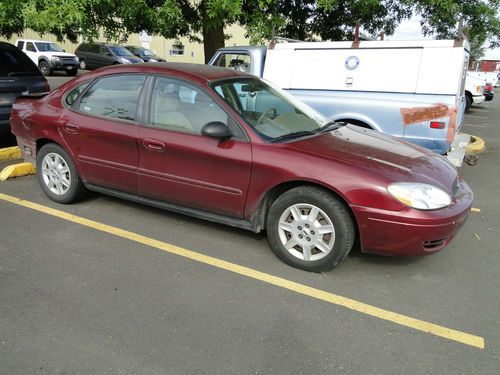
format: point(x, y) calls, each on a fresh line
point(179, 165)
point(101, 130)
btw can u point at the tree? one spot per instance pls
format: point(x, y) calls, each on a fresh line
point(204, 20)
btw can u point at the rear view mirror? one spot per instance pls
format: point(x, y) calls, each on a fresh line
point(216, 129)
point(251, 87)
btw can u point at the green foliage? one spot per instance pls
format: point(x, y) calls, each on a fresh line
point(299, 19)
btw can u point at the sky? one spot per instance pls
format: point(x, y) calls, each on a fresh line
point(411, 30)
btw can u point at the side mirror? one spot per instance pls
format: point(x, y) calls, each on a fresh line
point(216, 129)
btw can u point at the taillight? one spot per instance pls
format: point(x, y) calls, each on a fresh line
point(47, 87)
point(437, 125)
point(488, 88)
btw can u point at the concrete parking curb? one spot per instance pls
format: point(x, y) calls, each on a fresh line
point(476, 145)
point(17, 170)
point(10, 153)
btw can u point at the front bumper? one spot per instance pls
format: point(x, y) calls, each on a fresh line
point(412, 232)
point(63, 65)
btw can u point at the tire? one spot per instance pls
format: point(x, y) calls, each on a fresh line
point(44, 68)
point(72, 72)
point(292, 227)
point(57, 175)
point(468, 103)
point(83, 64)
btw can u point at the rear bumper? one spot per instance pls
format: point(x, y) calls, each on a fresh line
point(412, 232)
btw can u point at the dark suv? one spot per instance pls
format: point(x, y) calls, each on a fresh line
point(97, 55)
point(18, 75)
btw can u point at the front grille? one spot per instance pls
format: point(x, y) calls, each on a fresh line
point(67, 60)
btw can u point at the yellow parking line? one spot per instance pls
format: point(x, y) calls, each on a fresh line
point(475, 209)
point(403, 320)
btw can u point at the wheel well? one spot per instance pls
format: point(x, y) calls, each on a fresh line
point(278, 190)
point(42, 59)
point(468, 93)
point(356, 122)
point(42, 142)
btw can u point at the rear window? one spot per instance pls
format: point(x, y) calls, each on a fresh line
point(14, 63)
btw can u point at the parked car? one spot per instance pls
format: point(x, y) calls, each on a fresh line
point(98, 55)
point(145, 54)
point(474, 88)
point(49, 56)
point(189, 138)
point(488, 92)
point(18, 75)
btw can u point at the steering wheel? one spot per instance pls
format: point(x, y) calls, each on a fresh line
point(266, 113)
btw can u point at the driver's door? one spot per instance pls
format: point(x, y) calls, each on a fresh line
point(179, 165)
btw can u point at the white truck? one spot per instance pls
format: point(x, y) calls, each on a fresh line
point(48, 56)
point(474, 91)
point(413, 90)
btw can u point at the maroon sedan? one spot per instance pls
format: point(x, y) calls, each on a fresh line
point(225, 146)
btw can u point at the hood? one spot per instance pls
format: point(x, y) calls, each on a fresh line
point(60, 54)
point(384, 155)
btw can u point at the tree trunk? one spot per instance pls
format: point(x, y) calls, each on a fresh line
point(213, 37)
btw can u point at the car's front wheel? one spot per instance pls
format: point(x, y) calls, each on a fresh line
point(83, 64)
point(310, 229)
point(57, 174)
point(44, 68)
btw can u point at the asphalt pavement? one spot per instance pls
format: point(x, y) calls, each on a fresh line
point(137, 290)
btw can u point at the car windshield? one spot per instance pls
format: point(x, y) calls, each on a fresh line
point(146, 52)
point(48, 47)
point(14, 63)
point(272, 112)
point(120, 51)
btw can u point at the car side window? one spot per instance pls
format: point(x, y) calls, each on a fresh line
point(177, 105)
point(20, 44)
point(30, 47)
point(114, 97)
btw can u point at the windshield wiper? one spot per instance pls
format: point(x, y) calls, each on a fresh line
point(332, 125)
point(301, 133)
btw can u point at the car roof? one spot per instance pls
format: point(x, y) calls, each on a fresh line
point(196, 72)
point(5, 45)
point(34, 41)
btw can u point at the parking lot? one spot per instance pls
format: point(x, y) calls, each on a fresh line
point(106, 286)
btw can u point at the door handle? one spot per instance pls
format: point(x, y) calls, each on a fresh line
point(70, 128)
point(153, 145)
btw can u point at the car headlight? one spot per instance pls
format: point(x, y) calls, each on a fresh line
point(77, 59)
point(55, 58)
point(153, 60)
point(419, 196)
point(124, 60)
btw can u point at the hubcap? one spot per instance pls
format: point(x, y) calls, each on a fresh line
point(56, 174)
point(306, 231)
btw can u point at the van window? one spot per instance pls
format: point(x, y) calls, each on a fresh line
point(14, 62)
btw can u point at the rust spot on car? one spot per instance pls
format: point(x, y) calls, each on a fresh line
point(419, 114)
point(452, 124)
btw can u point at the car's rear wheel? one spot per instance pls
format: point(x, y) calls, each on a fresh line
point(44, 68)
point(57, 174)
point(83, 64)
point(310, 229)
